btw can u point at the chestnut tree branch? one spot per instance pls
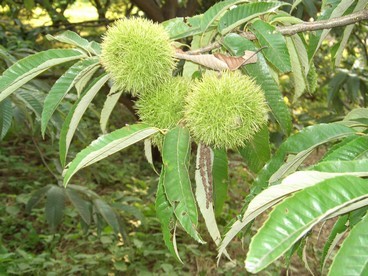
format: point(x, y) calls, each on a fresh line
point(324, 24)
point(150, 8)
point(298, 28)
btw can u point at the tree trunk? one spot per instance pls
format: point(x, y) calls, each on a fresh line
point(101, 9)
point(150, 8)
point(170, 9)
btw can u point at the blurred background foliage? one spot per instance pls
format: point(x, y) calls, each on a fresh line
point(32, 243)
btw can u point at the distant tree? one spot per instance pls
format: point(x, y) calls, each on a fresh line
point(101, 6)
point(55, 9)
point(161, 10)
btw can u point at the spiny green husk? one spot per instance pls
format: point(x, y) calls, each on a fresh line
point(163, 106)
point(312, 79)
point(137, 53)
point(225, 111)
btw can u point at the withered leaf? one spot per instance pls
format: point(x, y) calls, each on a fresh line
point(235, 63)
point(219, 61)
point(207, 60)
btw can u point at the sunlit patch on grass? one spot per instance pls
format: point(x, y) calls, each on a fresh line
point(39, 18)
point(78, 12)
point(81, 11)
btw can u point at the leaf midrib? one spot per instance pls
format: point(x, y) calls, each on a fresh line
point(306, 226)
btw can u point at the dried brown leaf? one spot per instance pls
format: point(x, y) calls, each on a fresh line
point(219, 61)
point(250, 57)
point(232, 62)
point(235, 62)
point(207, 60)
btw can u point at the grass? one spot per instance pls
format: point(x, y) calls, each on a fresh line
point(28, 246)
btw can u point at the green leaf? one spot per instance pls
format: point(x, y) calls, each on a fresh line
point(342, 166)
point(291, 165)
point(84, 190)
point(335, 84)
point(301, 142)
point(6, 56)
point(296, 248)
point(260, 71)
point(220, 179)
point(237, 44)
point(190, 69)
point(275, 50)
point(177, 185)
point(274, 194)
point(357, 148)
point(339, 144)
point(181, 27)
point(32, 99)
point(335, 234)
point(36, 197)
point(353, 86)
point(311, 8)
point(282, 18)
point(75, 114)
point(74, 39)
point(216, 11)
point(347, 32)
point(295, 216)
point(111, 100)
point(108, 214)
point(364, 91)
point(28, 68)
point(54, 208)
point(257, 152)
point(335, 8)
point(61, 87)
point(6, 116)
point(106, 145)
point(204, 191)
point(300, 47)
point(296, 3)
point(148, 154)
point(299, 77)
point(351, 208)
point(357, 115)
point(244, 13)
point(357, 215)
point(100, 223)
point(96, 47)
point(84, 77)
point(165, 214)
point(82, 206)
point(307, 138)
point(352, 257)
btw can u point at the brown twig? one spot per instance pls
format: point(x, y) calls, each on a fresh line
point(324, 24)
point(363, 45)
point(208, 48)
point(297, 28)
